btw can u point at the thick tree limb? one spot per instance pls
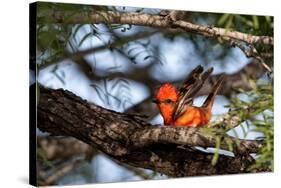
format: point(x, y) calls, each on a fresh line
point(109, 17)
point(128, 139)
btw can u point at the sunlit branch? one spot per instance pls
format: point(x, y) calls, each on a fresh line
point(109, 17)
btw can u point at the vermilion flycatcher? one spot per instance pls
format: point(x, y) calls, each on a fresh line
point(176, 105)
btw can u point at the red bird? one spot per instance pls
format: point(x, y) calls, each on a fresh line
point(176, 105)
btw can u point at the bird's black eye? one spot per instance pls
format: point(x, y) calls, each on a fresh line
point(167, 101)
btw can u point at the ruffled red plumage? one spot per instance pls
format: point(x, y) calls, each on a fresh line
point(167, 91)
point(176, 106)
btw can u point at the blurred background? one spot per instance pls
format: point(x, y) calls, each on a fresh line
point(125, 76)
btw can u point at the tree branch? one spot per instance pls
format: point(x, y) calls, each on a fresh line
point(252, 52)
point(61, 172)
point(130, 140)
point(109, 17)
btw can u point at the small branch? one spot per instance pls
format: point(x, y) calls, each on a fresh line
point(64, 153)
point(252, 52)
point(61, 172)
point(109, 17)
point(225, 34)
point(188, 136)
point(62, 148)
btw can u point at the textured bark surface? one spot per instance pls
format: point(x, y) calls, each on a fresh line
point(131, 140)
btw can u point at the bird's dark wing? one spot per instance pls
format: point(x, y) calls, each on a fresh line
point(191, 86)
point(208, 103)
point(192, 77)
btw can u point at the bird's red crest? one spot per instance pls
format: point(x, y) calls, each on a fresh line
point(167, 91)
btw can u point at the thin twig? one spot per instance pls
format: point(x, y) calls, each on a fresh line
point(252, 52)
point(62, 171)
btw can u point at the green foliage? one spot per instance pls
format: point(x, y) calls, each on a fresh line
point(251, 24)
point(265, 155)
point(260, 115)
point(256, 110)
point(258, 101)
point(52, 39)
point(216, 154)
point(258, 25)
point(263, 96)
point(41, 157)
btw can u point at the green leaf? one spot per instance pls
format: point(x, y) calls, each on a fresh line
point(41, 156)
point(216, 154)
point(229, 143)
point(255, 22)
point(244, 20)
point(223, 19)
point(229, 22)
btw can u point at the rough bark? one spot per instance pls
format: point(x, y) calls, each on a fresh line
point(129, 139)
